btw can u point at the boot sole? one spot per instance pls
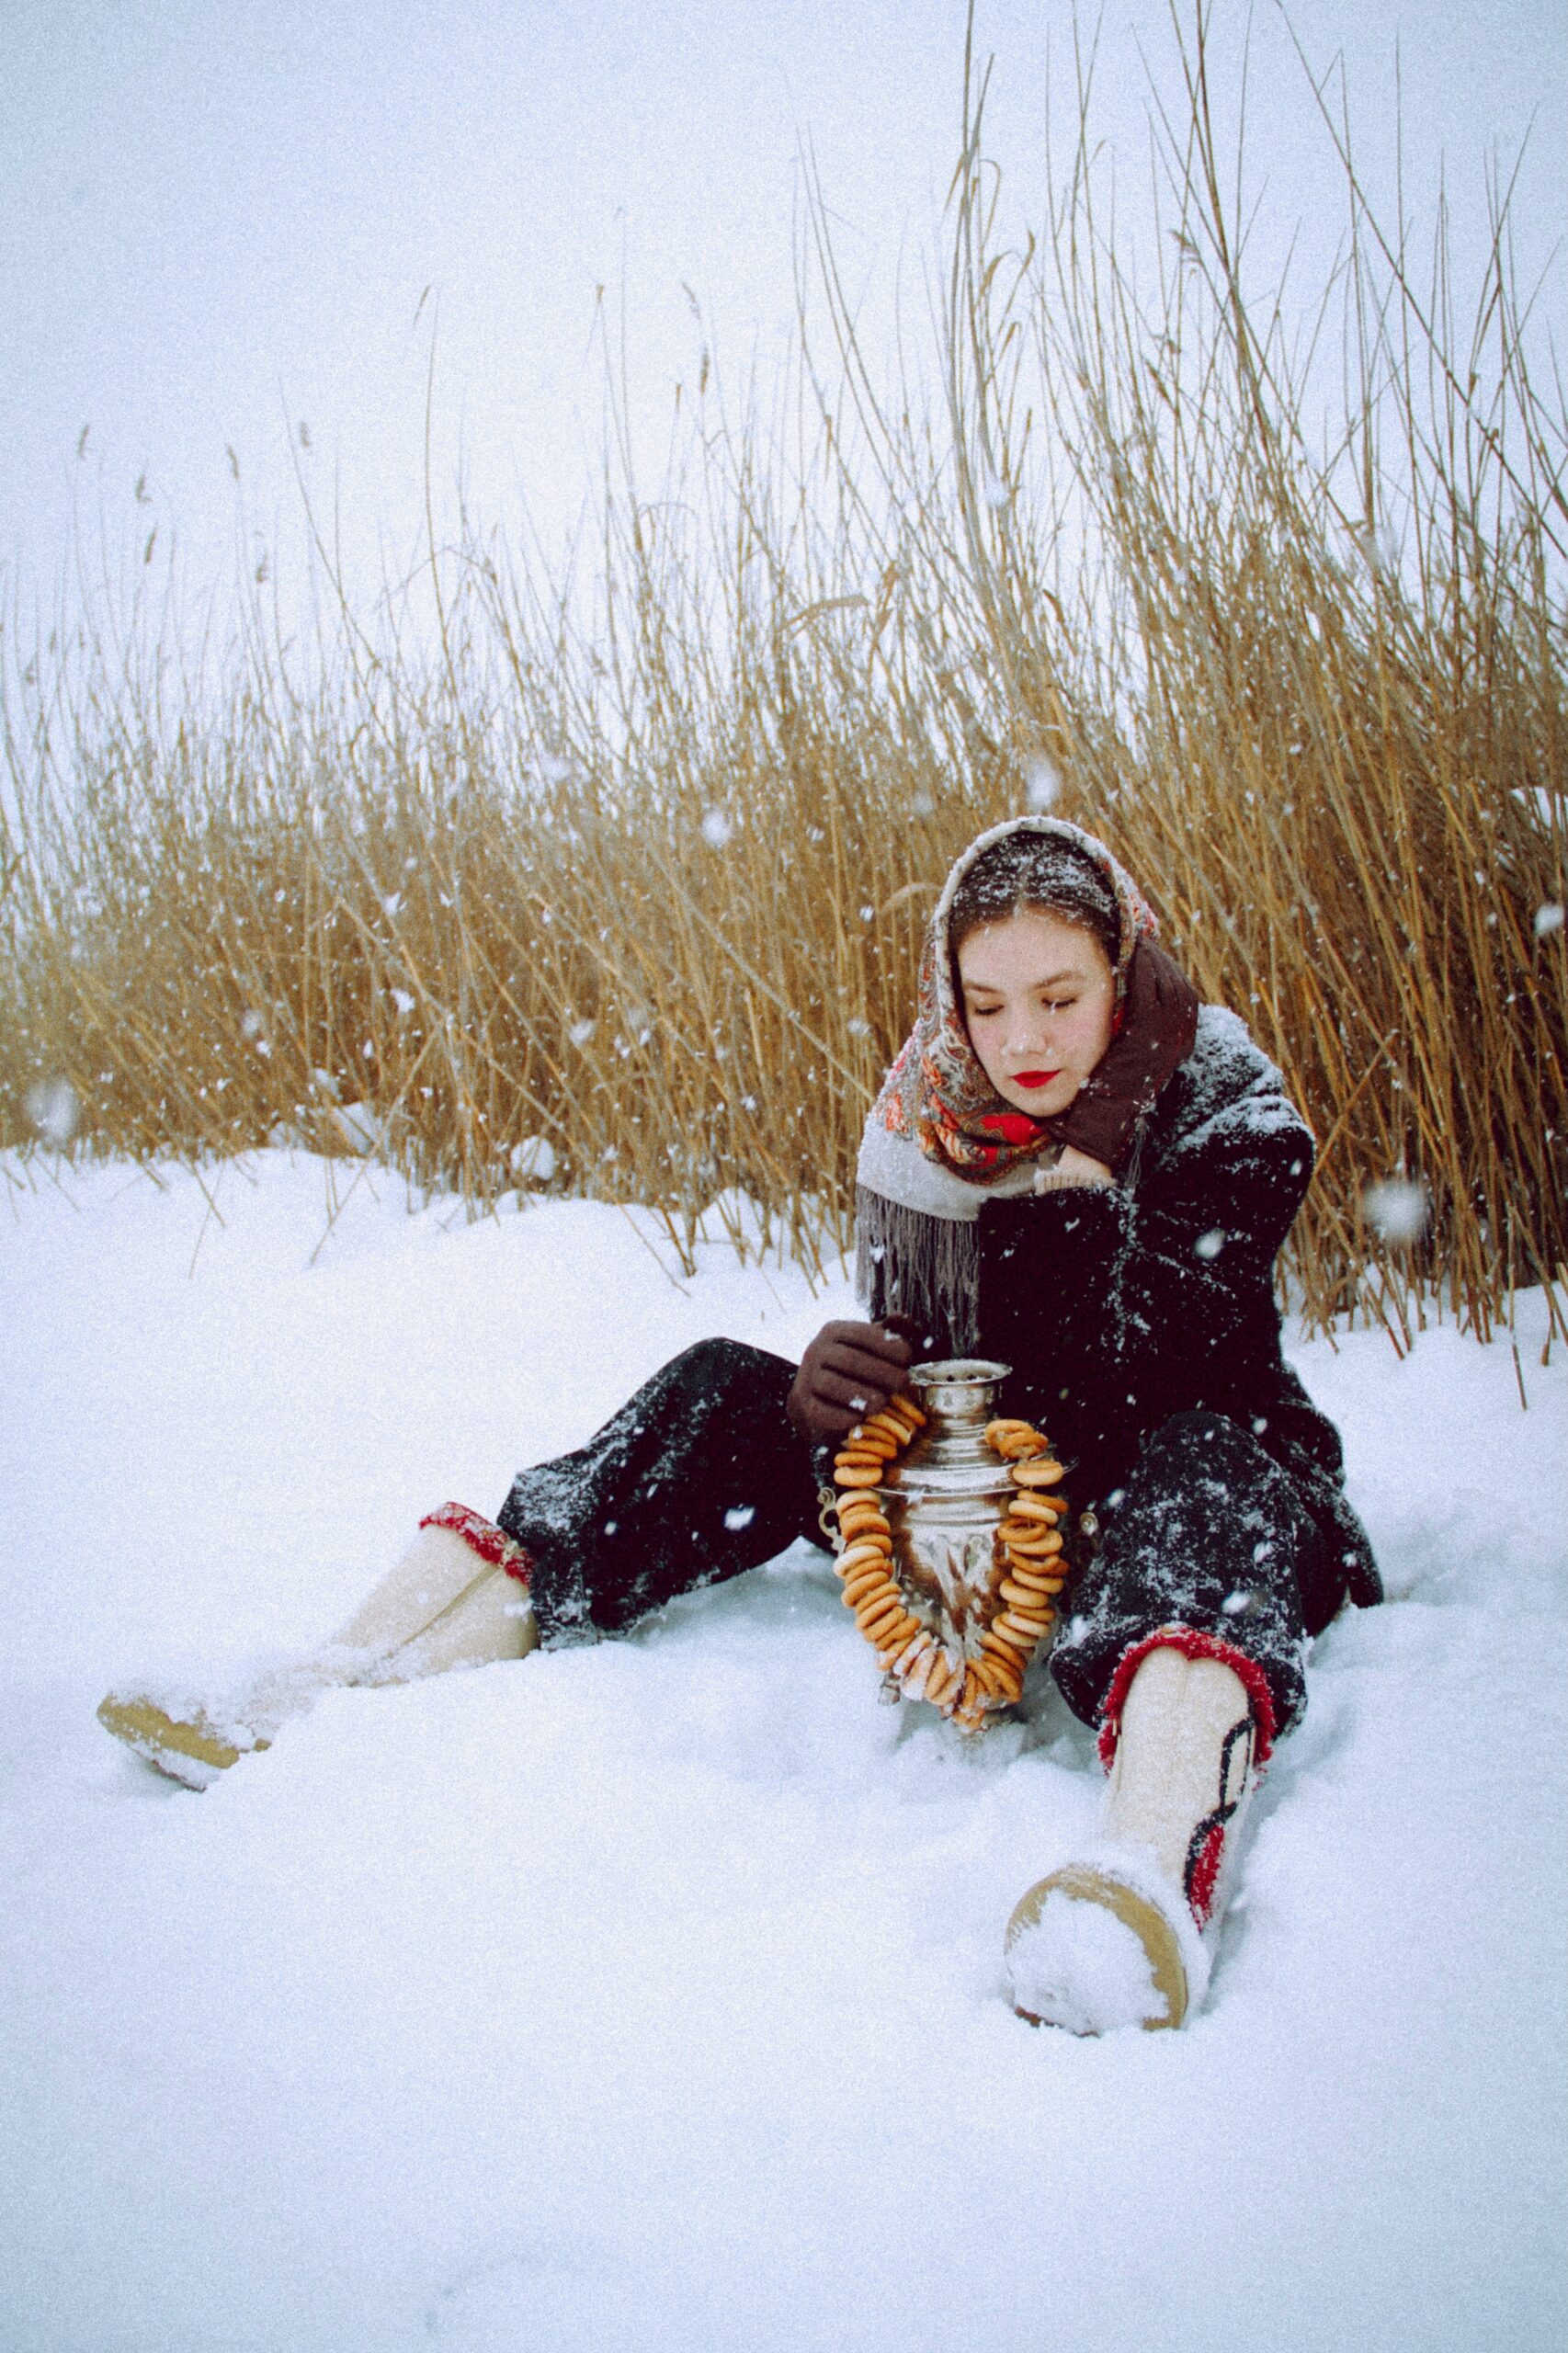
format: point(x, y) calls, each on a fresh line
point(174, 1748)
point(1083, 1884)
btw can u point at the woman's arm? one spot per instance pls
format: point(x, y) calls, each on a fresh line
point(1165, 1277)
point(1157, 1033)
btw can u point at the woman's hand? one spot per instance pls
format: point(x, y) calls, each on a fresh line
point(1156, 1037)
point(1074, 1168)
point(849, 1370)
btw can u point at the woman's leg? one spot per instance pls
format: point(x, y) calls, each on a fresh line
point(697, 1478)
point(1210, 1535)
point(458, 1595)
point(1184, 1643)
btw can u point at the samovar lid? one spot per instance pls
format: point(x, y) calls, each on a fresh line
point(972, 1382)
point(949, 1456)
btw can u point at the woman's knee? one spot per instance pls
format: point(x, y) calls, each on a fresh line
point(716, 1371)
point(1204, 1441)
point(1205, 1486)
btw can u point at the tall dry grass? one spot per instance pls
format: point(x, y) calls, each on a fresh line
point(637, 870)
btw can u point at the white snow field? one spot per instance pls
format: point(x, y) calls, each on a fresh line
point(649, 1995)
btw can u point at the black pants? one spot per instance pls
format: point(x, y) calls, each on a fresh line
point(700, 1476)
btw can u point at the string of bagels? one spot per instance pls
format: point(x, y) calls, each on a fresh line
point(1014, 1614)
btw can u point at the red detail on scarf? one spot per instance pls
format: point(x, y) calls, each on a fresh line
point(1191, 1645)
point(482, 1536)
point(1015, 1127)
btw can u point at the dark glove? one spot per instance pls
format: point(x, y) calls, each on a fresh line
point(848, 1371)
point(1158, 1032)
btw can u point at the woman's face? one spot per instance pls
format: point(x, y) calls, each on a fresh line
point(1038, 999)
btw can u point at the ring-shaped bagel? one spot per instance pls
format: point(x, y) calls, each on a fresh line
point(863, 1554)
point(1042, 1471)
point(1050, 1510)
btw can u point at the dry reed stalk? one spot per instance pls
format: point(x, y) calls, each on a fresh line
point(640, 874)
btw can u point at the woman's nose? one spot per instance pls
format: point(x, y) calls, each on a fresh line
point(1027, 1032)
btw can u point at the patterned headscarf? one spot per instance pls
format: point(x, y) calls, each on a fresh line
point(937, 1094)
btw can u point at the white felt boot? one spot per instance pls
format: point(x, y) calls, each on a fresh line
point(1124, 1936)
point(457, 1597)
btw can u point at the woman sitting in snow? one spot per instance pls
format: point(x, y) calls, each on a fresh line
point(1074, 1169)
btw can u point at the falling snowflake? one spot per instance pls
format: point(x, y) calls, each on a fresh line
point(533, 1160)
point(1398, 1209)
point(1548, 918)
point(717, 829)
point(55, 1111)
point(1042, 784)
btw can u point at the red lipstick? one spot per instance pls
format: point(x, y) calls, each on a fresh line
point(1034, 1078)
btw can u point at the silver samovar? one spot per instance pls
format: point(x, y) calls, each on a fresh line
point(943, 1500)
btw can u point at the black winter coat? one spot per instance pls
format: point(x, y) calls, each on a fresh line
point(1120, 1307)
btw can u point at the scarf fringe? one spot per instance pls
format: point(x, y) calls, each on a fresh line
point(910, 1263)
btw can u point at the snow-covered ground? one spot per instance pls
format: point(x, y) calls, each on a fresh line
point(650, 1995)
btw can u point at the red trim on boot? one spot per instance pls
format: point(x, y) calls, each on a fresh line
point(1205, 1871)
point(1191, 1645)
point(482, 1536)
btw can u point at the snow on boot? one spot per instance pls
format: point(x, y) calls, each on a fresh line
point(1124, 1936)
point(457, 1597)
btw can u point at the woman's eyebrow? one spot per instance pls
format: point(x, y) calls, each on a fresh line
point(995, 988)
